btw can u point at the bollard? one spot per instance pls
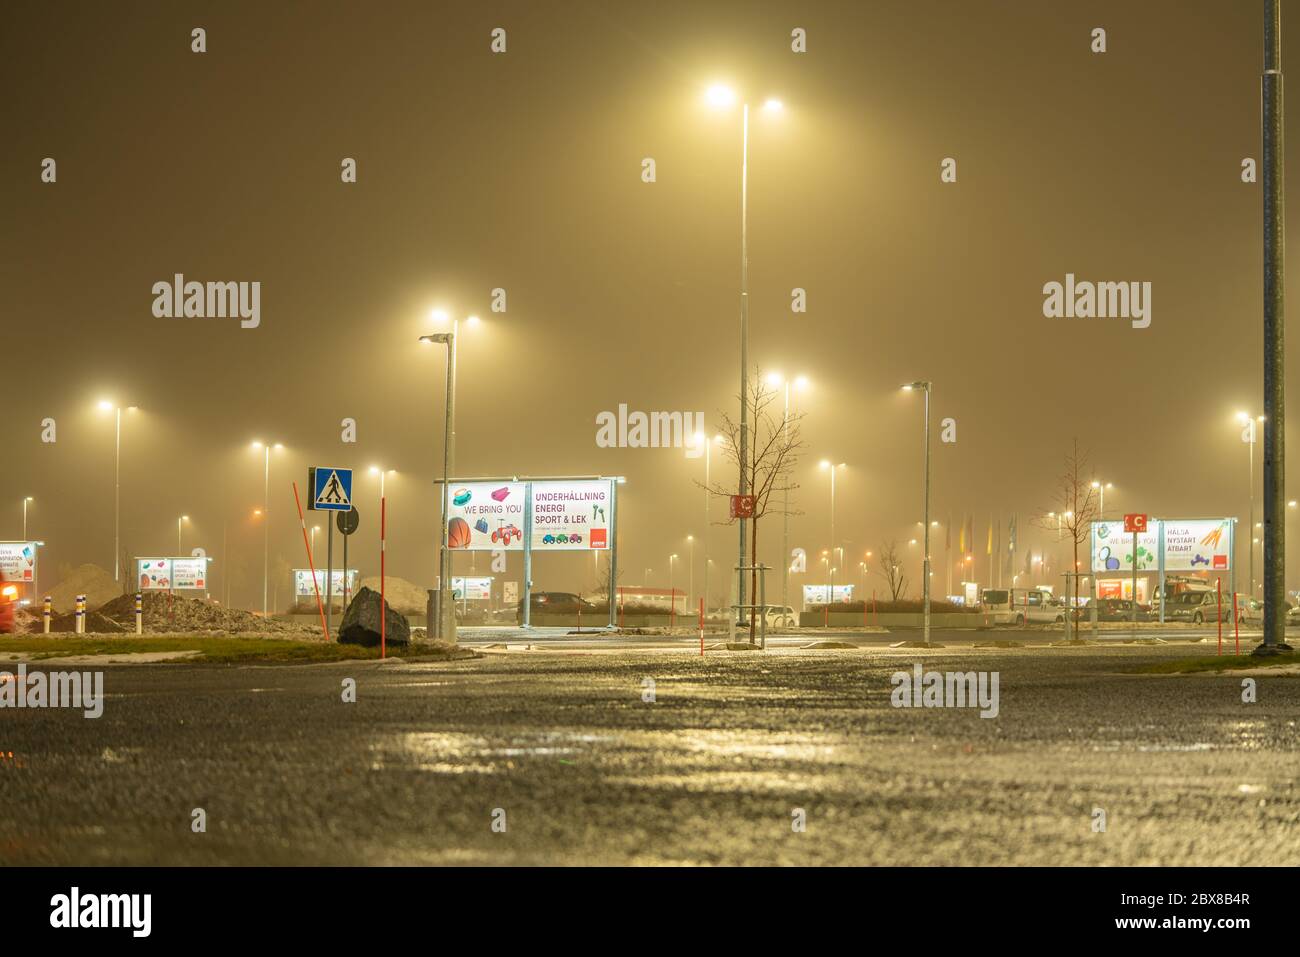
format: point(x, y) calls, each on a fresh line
point(81, 615)
point(49, 607)
point(139, 613)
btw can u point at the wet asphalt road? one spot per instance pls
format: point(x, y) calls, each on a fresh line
point(710, 773)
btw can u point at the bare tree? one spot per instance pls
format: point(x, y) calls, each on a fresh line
point(1076, 509)
point(891, 570)
point(774, 442)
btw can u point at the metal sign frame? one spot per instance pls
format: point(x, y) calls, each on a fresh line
point(614, 482)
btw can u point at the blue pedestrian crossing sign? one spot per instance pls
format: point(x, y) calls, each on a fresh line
point(331, 489)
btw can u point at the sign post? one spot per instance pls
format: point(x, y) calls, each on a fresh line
point(1135, 522)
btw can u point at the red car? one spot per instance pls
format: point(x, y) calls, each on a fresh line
point(8, 604)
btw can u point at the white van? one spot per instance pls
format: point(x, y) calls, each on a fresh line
point(1021, 606)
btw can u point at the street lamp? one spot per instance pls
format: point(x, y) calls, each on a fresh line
point(25, 501)
point(722, 97)
point(179, 520)
point(690, 587)
point(672, 595)
point(826, 464)
point(1101, 490)
point(443, 609)
point(1248, 436)
point(266, 515)
point(707, 445)
point(800, 383)
point(925, 577)
point(106, 406)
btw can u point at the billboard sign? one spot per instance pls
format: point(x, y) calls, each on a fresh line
point(302, 584)
point(569, 515)
point(486, 516)
point(18, 561)
point(172, 574)
point(816, 594)
point(1195, 545)
point(471, 589)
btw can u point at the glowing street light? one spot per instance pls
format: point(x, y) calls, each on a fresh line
point(106, 406)
point(800, 384)
point(721, 96)
point(445, 611)
point(925, 576)
point(181, 519)
point(266, 516)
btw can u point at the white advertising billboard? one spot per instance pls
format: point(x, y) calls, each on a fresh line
point(471, 589)
point(170, 574)
point(572, 514)
point(485, 516)
point(566, 514)
point(1191, 545)
point(302, 584)
point(18, 561)
point(816, 594)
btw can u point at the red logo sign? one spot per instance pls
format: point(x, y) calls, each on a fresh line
point(1220, 561)
point(598, 538)
point(1135, 522)
point(742, 506)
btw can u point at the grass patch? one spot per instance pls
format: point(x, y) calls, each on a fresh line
point(225, 650)
point(1226, 662)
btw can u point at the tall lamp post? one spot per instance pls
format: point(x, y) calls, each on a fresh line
point(707, 445)
point(721, 96)
point(179, 520)
point(25, 503)
point(445, 610)
point(1248, 435)
point(690, 578)
point(800, 383)
point(925, 576)
point(266, 516)
point(106, 406)
point(831, 467)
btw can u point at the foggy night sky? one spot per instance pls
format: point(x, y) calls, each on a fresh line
point(522, 171)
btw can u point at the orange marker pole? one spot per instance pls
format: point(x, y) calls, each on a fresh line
point(383, 607)
point(310, 564)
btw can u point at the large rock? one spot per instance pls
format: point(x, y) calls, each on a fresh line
point(406, 597)
point(360, 625)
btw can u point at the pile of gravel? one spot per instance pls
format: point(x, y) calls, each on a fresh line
point(170, 614)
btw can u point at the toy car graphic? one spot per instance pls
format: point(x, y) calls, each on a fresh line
point(561, 539)
point(575, 539)
point(548, 539)
point(505, 533)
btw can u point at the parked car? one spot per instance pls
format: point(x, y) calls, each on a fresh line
point(554, 603)
point(778, 617)
point(8, 605)
point(1110, 609)
point(1200, 607)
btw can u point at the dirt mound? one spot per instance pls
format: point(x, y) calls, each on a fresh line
point(173, 613)
point(402, 596)
point(89, 580)
point(96, 624)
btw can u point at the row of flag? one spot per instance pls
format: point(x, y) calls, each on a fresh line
point(993, 545)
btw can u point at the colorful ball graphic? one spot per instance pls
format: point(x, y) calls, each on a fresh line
point(458, 533)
